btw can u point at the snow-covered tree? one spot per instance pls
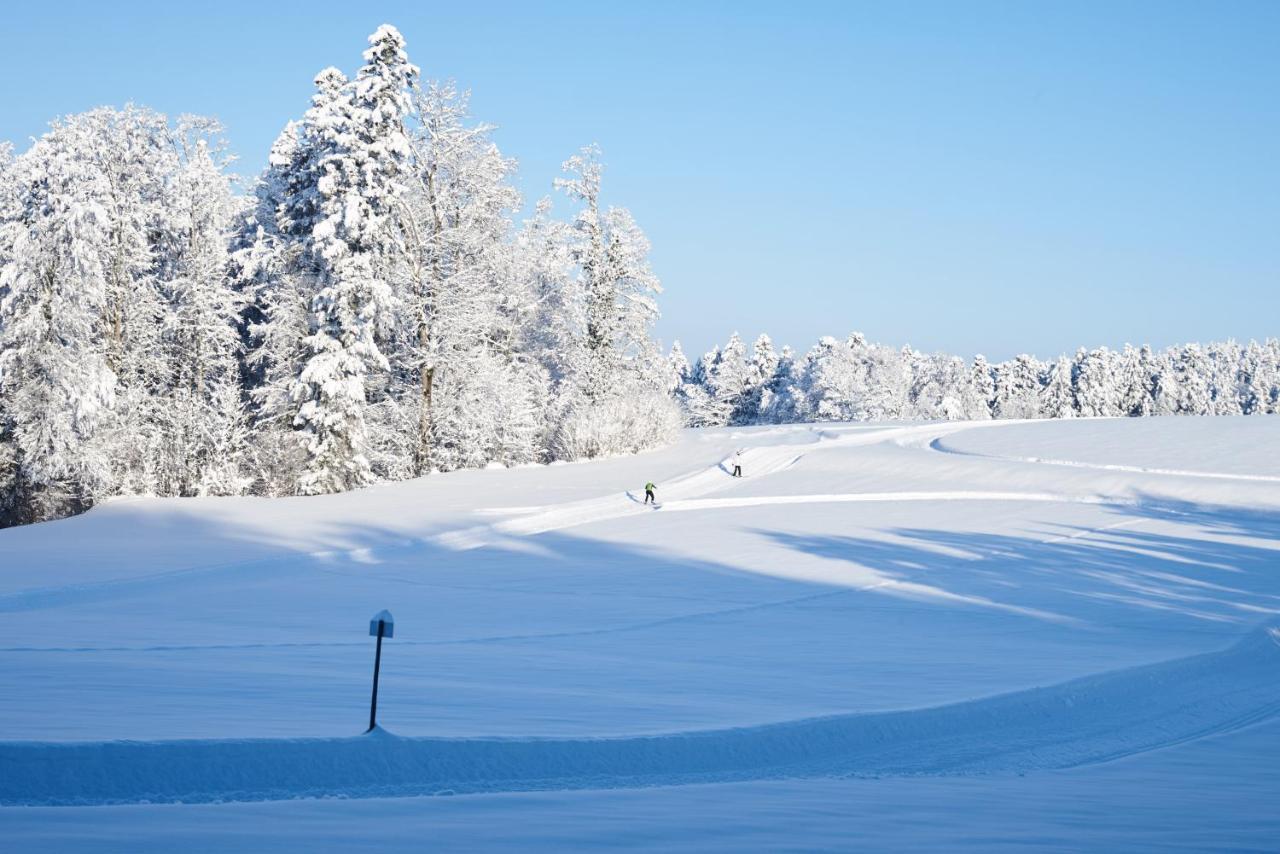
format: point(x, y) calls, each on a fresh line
point(941, 388)
point(363, 151)
point(471, 312)
point(1258, 378)
point(1057, 392)
point(1017, 388)
point(760, 371)
point(203, 429)
point(677, 369)
point(1135, 381)
point(728, 379)
point(1095, 378)
point(781, 399)
point(1192, 376)
point(617, 285)
point(984, 387)
point(56, 383)
point(620, 361)
point(1224, 378)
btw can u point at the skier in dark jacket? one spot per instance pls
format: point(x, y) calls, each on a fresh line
point(648, 493)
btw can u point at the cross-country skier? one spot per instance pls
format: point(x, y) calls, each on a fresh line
point(737, 464)
point(648, 493)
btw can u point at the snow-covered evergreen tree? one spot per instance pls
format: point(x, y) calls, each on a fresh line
point(1095, 379)
point(363, 151)
point(984, 387)
point(1224, 378)
point(1193, 377)
point(728, 380)
point(1057, 393)
point(1017, 388)
point(780, 399)
point(677, 369)
point(1258, 377)
point(1135, 381)
point(760, 371)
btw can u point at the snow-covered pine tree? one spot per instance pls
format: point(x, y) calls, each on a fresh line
point(278, 272)
point(1165, 392)
point(1095, 383)
point(1057, 394)
point(984, 387)
point(363, 150)
point(1224, 378)
point(702, 407)
point(1135, 381)
point(955, 388)
point(1257, 378)
point(728, 378)
point(677, 369)
point(760, 370)
point(1192, 375)
point(779, 400)
point(1017, 388)
point(1268, 382)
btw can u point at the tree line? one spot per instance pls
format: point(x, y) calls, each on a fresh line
point(857, 380)
point(370, 310)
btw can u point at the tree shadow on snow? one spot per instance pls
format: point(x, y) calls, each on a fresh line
point(1199, 567)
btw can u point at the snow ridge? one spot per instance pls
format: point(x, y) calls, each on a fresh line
point(1089, 720)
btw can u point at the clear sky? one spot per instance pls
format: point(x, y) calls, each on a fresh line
point(960, 176)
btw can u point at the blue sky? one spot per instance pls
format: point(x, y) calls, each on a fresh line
point(969, 177)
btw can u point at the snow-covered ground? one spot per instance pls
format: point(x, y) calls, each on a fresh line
point(1030, 634)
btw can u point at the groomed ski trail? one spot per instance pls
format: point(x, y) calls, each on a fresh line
point(1095, 719)
point(758, 462)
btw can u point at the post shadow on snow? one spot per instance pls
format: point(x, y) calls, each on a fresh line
point(1103, 577)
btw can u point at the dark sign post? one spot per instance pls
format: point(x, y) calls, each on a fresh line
point(381, 626)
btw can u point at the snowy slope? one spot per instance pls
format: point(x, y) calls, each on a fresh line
point(918, 601)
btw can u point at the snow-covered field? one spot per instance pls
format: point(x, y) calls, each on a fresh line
point(1058, 634)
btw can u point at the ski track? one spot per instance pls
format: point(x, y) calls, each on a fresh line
point(857, 497)
point(679, 492)
point(938, 445)
point(1095, 719)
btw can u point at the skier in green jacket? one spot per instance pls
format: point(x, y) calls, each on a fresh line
point(648, 493)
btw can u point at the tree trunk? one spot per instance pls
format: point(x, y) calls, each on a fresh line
point(422, 462)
